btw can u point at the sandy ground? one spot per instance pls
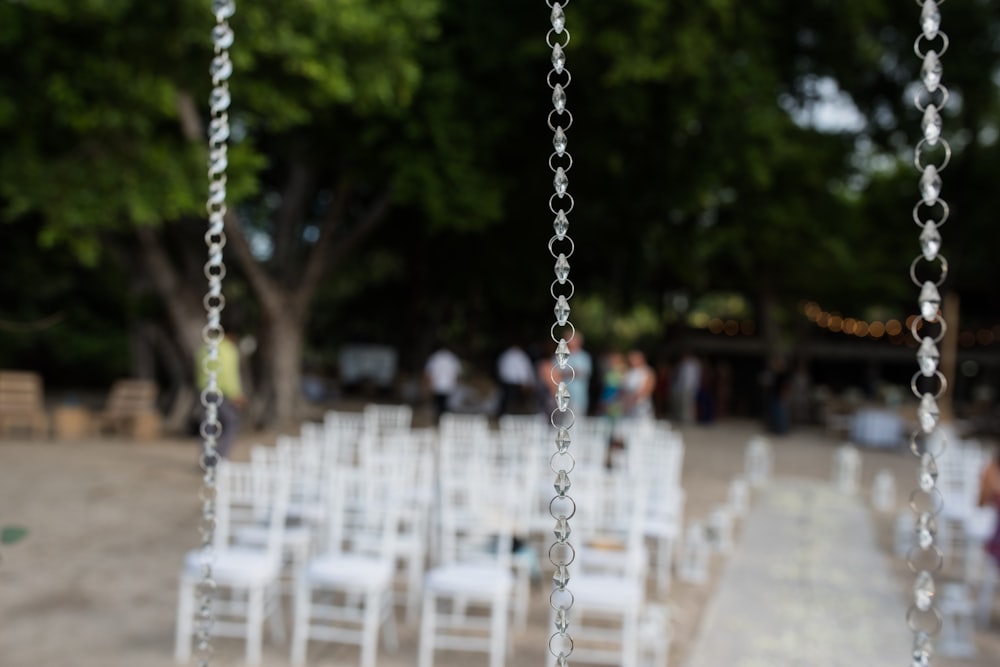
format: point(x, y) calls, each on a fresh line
point(94, 583)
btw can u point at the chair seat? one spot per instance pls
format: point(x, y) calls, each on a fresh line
point(235, 566)
point(606, 592)
point(471, 579)
point(351, 571)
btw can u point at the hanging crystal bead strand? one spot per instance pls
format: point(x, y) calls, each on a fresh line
point(931, 156)
point(214, 301)
point(562, 507)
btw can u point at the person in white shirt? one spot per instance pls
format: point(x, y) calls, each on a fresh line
point(516, 374)
point(441, 373)
point(687, 383)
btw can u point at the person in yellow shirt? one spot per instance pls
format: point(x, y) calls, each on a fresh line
point(231, 387)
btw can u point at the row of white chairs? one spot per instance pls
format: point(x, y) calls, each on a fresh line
point(349, 500)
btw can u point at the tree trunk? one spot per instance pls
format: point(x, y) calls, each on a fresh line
point(949, 355)
point(285, 338)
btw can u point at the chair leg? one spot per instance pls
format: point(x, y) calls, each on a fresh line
point(630, 639)
point(255, 625)
point(276, 614)
point(185, 619)
point(498, 631)
point(428, 621)
point(390, 637)
point(369, 629)
point(302, 601)
point(414, 578)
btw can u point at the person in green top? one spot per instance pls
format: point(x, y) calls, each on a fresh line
point(231, 387)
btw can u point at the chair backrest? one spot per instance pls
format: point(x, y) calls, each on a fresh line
point(248, 494)
point(479, 507)
point(381, 419)
point(364, 512)
point(20, 392)
point(342, 430)
point(131, 397)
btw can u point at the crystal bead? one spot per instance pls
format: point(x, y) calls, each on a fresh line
point(925, 538)
point(559, 141)
point(928, 357)
point(560, 182)
point(219, 100)
point(562, 529)
point(562, 440)
point(562, 310)
point(927, 475)
point(223, 9)
point(930, 301)
point(930, 19)
point(928, 413)
point(562, 268)
point(562, 661)
point(562, 353)
point(930, 241)
point(558, 18)
point(562, 483)
point(222, 36)
point(562, 620)
point(931, 124)
point(222, 68)
point(923, 648)
point(560, 225)
point(930, 185)
point(931, 71)
point(558, 58)
point(562, 397)
point(561, 576)
point(923, 591)
point(559, 98)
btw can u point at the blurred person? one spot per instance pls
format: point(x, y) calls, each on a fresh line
point(989, 496)
point(686, 384)
point(230, 384)
point(638, 383)
point(611, 399)
point(516, 375)
point(441, 373)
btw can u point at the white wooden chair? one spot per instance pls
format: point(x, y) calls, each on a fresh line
point(609, 589)
point(381, 419)
point(344, 594)
point(250, 574)
point(473, 566)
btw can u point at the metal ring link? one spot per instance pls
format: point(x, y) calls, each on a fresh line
point(562, 653)
point(917, 444)
point(918, 321)
point(913, 270)
point(555, 339)
point(934, 498)
point(914, 614)
point(946, 211)
point(562, 515)
point(918, 151)
point(569, 78)
point(564, 155)
point(944, 95)
point(555, 368)
point(944, 44)
point(552, 43)
point(564, 112)
point(556, 239)
point(561, 592)
point(562, 455)
point(572, 288)
point(566, 196)
point(571, 417)
point(570, 556)
point(942, 383)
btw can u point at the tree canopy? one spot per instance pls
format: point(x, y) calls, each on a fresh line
point(388, 166)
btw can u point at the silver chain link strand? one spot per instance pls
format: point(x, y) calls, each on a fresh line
point(931, 156)
point(214, 301)
point(562, 507)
